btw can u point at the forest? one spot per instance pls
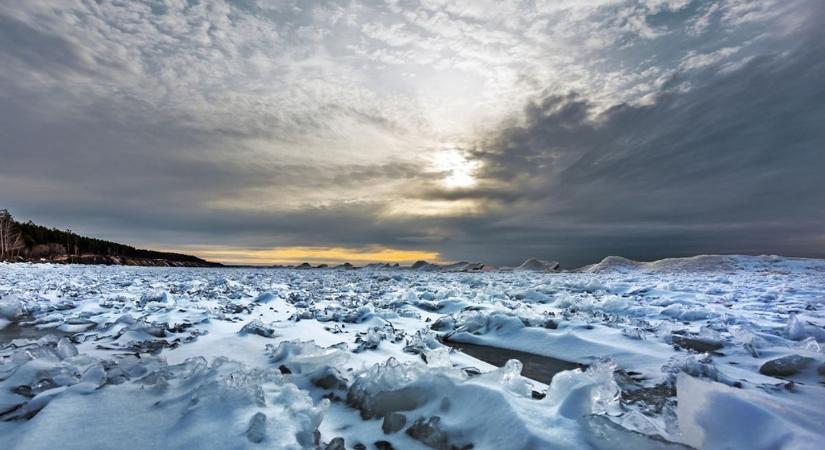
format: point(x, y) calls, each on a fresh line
point(27, 241)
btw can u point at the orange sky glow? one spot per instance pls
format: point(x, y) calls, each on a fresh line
point(314, 255)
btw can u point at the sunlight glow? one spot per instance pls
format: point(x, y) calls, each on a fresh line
point(314, 255)
point(458, 169)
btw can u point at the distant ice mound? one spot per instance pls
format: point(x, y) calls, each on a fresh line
point(424, 266)
point(538, 265)
point(462, 266)
point(708, 263)
point(534, 265)
point(700, 263)
point(381, 266)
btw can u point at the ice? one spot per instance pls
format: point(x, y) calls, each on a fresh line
point(252, 358)
point(604, 434)
point(11, 307)
point(578, 393)
point(65, 348)
point(809, 344)
point(712, 415)
point(509, 377)
point(798, 330)
point(478, 322)
point(438, 357)
point(306, 356)
point(446, 410)
point(156, 299)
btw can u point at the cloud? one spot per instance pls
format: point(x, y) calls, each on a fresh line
point(260, 124)
point(694, 61)
point(730, 164)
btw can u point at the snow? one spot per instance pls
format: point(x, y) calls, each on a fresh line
point(762, 421)
point(708, 352)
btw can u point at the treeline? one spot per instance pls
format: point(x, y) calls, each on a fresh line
point(28, 241)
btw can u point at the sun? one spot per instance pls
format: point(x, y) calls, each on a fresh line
point(457, 169)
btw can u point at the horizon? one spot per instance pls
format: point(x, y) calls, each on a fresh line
point(359, 258)
point(266, 132)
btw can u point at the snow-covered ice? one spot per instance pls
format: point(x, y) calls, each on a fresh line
point(705, 352)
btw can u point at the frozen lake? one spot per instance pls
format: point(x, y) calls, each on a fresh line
point(711, 352)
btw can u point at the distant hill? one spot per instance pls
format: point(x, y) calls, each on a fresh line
point(27, 241)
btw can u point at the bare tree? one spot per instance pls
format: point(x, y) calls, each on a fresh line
point(5, 220)
point(16, 244)
point(11, 241)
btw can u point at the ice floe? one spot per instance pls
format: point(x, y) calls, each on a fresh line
point(706, 352)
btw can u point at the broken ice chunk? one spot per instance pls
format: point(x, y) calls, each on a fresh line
point(439, 357)
point(509, 376)
point(265, 297)
point(11, 307)
point(798, 330)
point(93, 378)
point(65, 348)
point(305, 356)
point(157, 298)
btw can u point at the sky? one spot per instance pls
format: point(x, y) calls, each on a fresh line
point(267, 131)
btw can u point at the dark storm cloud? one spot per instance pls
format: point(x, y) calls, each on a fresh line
point(735, 163)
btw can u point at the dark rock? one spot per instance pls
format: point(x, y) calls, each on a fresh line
point(393, 422)
point(178, 327)
point(650, 399)
point(329, 378)
point(378, 405)
point(257, 327)
point(429, 433)
point(359, 446)
point(284, 370)
point(537, 395)
point(257, 428)
point(696, 343)
point(821, 369)
point(785, 366)
point(383, 445)
point(234, 308)
point(443, 324)
point(336, 444)
point(471, 371)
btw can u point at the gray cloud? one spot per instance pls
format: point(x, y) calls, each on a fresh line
point(651, 128)
point(733, 164)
